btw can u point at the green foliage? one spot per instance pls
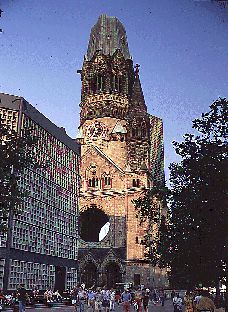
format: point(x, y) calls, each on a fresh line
point(193, 241)
point(17, 154)
point(149, 209)
point(199, 200)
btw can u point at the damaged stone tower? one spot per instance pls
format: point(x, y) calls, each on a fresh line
point(120, 144)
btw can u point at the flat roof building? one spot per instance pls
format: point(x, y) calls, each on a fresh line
point(43, 248)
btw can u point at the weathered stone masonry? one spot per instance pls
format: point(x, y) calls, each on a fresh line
point(120, 144)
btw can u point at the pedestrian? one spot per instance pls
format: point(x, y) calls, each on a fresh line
point(91, 299)
point(173, 294)
point(57, 296)
point(205, 303)
point(162, 297)
point(74, 297)
point(112, 299)
point(138, 299)
point(177, 303)
point(145, 299)
point(82, 296)
point(118, 296)
point(22, 296)
point(126, 299)
point(188, 302)
point(98, 300)
point(2, 300)
point(105, 299)
point(48, 295)
point(154, 296)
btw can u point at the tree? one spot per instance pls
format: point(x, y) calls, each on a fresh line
point(196, 234)
point(17, 154)
point(151, 209)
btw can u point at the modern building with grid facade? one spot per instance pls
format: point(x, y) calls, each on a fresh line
point(43, 247)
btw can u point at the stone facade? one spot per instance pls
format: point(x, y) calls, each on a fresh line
point(120, 145)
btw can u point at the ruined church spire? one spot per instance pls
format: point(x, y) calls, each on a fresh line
point(108, 35)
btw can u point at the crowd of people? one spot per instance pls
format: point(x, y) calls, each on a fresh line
point(22, 297)
point(52, 296)
point(102, 299)
point(196, 301)
point(106, 300)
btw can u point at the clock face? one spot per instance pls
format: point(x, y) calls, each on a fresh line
point(95, 130)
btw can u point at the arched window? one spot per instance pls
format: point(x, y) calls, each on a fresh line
point(96, 182)
point(107, 181)
point(97, 83)
point(116, 82)
point(120, 83)
point(92, 85)
point(143, 132)
point(93, 182)
point(92, 178)
point(100, 86)
point(135, 182)
point(143, 129)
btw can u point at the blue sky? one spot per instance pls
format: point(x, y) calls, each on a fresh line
point(181, 45)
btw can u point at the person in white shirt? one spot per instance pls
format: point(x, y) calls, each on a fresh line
point(112, 299)
point(177, 303)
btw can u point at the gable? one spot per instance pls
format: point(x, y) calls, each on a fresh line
point(94, 155)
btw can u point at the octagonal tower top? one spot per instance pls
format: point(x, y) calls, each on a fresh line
point(108, 35)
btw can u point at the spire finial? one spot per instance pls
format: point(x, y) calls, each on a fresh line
point(137, 69)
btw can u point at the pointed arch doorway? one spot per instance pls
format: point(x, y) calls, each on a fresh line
point(89, 275)
point(113, 274)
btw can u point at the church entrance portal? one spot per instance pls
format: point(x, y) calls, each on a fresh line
point(89, 275)
point(113, 274)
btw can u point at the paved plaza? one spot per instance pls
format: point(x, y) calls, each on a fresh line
point(168, 307)
point(152, 308)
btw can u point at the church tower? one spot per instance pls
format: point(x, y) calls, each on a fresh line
point(120, 144)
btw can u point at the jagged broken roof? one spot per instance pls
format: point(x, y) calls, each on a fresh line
point(108, 35)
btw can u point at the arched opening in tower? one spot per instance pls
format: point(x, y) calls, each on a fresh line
point(93, 225)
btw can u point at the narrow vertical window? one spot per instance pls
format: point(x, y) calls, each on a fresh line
point(107, 181)
point(143, 132)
